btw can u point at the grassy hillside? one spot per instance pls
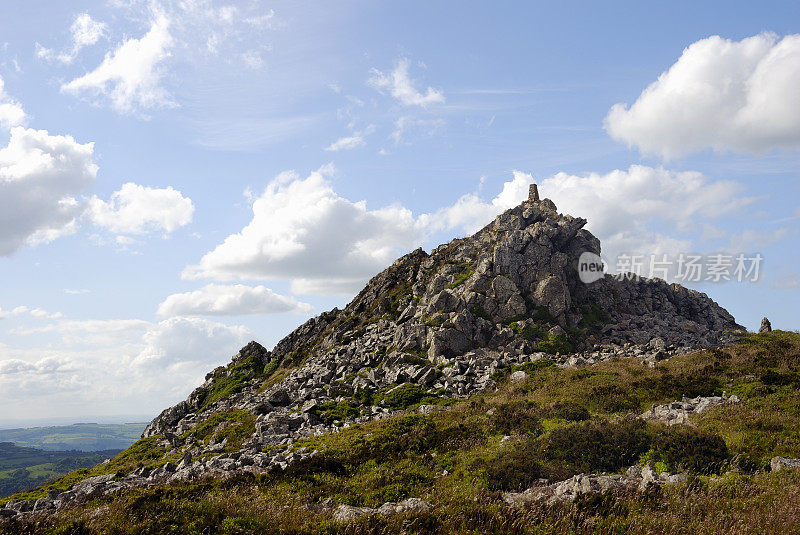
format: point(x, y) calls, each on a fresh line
point(561, 422)
point(84, 437)
point(24, 468)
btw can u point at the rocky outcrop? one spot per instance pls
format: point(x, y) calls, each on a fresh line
point(431, 325)
point(348, 513)
point(777, 464)
point(679, 412)
point(511, 290)
point(636, 478)
point(766, 326)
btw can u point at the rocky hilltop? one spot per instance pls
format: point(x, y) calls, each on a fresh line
point(430, 327)
point(441, 324)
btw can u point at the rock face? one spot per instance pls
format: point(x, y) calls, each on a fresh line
point(438, 324)
point(766, 326)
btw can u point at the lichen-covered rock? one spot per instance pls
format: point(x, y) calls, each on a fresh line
point(782, 463)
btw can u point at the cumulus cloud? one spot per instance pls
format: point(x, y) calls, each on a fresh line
point(302, 230)
point(470, 212)
point(179, 341)
point(720, 94)
point(85, 31)
point(237, 299)
point(118, 363)
point(402, 87)
point(130, 76)
point(346, 143)
point(135, 209)
point(645, 210)
point(40, 176)
point(11, 112)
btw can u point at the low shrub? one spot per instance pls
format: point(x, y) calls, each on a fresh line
point(336, 410)
point(517, 418)
point(568, 410)
point(555, 343)
point(593, 446)
point(696, 451)
point(613, 398)
point(515, 468)
point(403, 396)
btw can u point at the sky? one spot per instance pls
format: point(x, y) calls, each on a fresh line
point(178, 178)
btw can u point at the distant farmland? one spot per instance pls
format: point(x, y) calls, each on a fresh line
point(82, 437)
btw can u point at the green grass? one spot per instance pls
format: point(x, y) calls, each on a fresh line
point(464, 271)
point(234, 426)
point(565, 421)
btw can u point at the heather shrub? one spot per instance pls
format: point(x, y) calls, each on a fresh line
point(516, 418)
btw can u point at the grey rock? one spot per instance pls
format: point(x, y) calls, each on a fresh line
point(279, 397)
point(766, 326)
point(348, 513)
point(777, 464)
point(518, 376)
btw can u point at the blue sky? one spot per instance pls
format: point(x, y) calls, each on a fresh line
point(178, 178)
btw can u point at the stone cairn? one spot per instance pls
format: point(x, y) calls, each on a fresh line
point(533, 193)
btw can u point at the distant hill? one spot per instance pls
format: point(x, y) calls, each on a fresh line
point(24, 468)
point(86, 437)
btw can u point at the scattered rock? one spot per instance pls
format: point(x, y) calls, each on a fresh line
point(678, 412)
point(635, 478)
point(782, 463)
point(518, 376)
point(348, 513)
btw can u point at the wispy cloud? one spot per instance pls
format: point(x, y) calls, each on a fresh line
point(402, 87)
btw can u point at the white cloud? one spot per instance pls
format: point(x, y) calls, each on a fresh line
point(644, 209)
point(302, 230)
point(402, 88)
point(92, 332)
point(130, 76)
point(788, 281)
point(253, 60)
point(11, 112)
point(77, 291)
point(720, 94)
point(43, 314)
point(749, 240)
point(218, 300)
point(346, 143)
point(40, 175)
point(135, 209)
point(180, 341)
point(85, 31)
point(113, 364)
point(470, 213)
